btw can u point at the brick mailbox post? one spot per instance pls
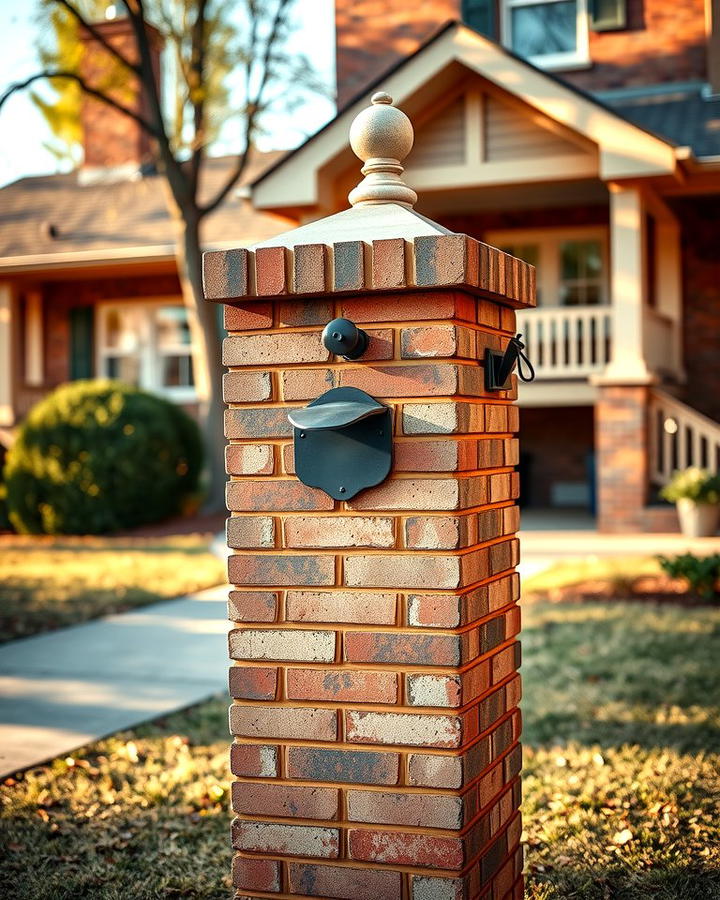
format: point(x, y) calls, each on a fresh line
point(375, 686)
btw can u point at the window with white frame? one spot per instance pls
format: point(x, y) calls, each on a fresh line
point(147, 344)
point(550, 33)
point(571, 265)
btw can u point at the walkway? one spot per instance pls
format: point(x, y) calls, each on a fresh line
point(551, 536)
point(61, 690)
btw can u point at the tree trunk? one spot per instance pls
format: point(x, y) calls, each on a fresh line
point(207, 359)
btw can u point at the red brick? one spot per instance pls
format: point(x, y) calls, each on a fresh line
point(281, 570)
point(388, 263)
point(256, 874)
point(401, 808)
point(342, 687)
point(361, 607)
point(408, 307)
point(298, 312)
point(252, 606)
point(402, 381)
point(280, 722)
point(286, 840)
point(271, 271)
point(427, 341)
point(450, 455)
point(258, 422)
point(409, 648)
point(247, 316)
point(275, 495)
point(225, 273)
point(344, 766)
point(343, 882)
point(410, 493)
point(254, 760)
point(339, 531)
point(253, 683)
point(285, 800)
point(422, 850)
point(249, 459)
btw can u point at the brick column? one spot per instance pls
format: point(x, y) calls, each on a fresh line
point(375, 686)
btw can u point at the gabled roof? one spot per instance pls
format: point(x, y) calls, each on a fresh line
point(53, 219)
point(625, 149)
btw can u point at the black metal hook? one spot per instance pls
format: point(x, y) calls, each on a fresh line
point(499, 366)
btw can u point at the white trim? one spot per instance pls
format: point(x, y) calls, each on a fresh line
point(625, 150)
point(578, 58)
point(6, 354)
point(147, 351)
point(34, 339)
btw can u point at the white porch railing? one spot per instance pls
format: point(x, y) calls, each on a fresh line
point(566, 341)
point(679, 437)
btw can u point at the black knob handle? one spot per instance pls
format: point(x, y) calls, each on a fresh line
point(343, 338)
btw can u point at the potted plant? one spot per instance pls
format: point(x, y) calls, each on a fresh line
point(696, 494)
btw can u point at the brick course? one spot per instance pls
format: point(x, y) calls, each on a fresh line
point(375, 680)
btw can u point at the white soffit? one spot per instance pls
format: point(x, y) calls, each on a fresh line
point(625, 151)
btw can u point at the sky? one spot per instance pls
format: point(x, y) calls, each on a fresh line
point(22, 127)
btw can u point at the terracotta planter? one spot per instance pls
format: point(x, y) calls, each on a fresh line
point(698, 519)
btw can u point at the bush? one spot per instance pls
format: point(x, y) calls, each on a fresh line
point(694, 484)
point(700, 572)
point(98, 456)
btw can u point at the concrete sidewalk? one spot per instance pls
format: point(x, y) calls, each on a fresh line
point(555, 536)
point(61, 690)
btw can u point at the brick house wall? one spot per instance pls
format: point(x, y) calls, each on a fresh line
point(701, 302)
point(665, 40)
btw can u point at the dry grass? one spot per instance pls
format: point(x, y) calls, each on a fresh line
point(50, 583)
point(622, 737)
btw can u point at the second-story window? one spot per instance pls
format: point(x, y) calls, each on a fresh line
point(550, 33)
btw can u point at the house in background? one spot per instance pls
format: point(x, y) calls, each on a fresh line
point(88, 278)
point(584, 137)
point(580, 135)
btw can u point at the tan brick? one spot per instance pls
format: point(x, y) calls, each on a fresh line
point(339, 531)
point(254, 760)
point(361, 607)
point(250, 531)
point(412, 571)
point(249, 459)
point(285, 348)
point(396, 808)
point(403, 728)
point(252, 606)
point(292, 840)
point(280, 722)
point(409, 493)
point(286, 644)
point(246, 387)
point(274, 495)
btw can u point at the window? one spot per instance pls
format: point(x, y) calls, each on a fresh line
point(606, 15)
point(571, 265)
point(147, 344)
point(549, 33)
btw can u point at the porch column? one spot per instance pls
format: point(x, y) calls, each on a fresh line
point(7, 415)
point(375, 713)
point(628, 287)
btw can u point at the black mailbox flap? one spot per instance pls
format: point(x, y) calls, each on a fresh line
point(335, 413)
point(343, 442)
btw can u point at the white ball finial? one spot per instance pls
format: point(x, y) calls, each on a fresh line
point(382, 136)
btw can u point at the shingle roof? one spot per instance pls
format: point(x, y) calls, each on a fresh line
point(124, 214)
point(688, 118)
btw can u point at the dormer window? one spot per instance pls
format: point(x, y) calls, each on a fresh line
point(552, 34)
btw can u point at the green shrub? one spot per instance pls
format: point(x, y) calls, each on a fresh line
point(98, 456)
point(694, 484)
point(701, 572)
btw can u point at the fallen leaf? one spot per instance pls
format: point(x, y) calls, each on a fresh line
point(622, 837)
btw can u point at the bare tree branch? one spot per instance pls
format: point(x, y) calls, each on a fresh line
point(98, 36)
point(198, 92)
point(88, 89)
point(254, 105)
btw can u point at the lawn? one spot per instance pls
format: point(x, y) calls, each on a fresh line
point(622, 735)
point(49, 583)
